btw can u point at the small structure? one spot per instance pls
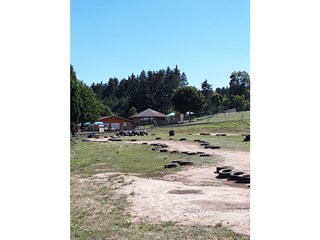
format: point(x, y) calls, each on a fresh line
point(117, 123)
point(148, 116)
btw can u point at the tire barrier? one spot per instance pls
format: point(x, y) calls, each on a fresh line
point(197, 140)
point(247, 138)
point(144, 143)
point(186, 163)
point(224, 167)
point(183, 139)
point(212, 147)
point(171, 165)
point(205, 155)
point(204, 144)
point(244, 178)
point(192, 153)
point(231, 174)
point(234, 175)
point(225, 172)
point(133, 140)
point(158, 138)
point(205, 134)
point(215, 147)
point(176, 161)
point(115, 139)
point(163, 150)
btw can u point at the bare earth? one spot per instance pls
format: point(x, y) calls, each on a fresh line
point(193, 196)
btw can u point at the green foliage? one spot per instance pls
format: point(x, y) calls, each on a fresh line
point(85, 106)
point(162, 91)
point(132, 111)
point(207, 92)
point(239, 83)
point(75, 100)
point(216, 101)
point(188, 98)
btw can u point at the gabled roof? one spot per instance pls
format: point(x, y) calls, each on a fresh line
point(149, 113)
point(106, 117)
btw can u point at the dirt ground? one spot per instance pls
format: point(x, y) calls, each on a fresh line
point(193, 196)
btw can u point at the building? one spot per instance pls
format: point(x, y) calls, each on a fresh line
point(147, 117)
point(117, 123)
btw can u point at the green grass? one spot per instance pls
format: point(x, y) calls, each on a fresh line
point(98, 213)
point(235, 116)
point(92, 158)
point(231, 142)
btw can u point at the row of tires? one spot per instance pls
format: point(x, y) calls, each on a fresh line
point(206, 144)
point(231, 174)
point(176, 163)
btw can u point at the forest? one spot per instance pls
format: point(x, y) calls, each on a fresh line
point(166, 90)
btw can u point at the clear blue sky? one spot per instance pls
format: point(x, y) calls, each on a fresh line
point(207, 39)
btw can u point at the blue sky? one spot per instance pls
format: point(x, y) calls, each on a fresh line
point(207, 39)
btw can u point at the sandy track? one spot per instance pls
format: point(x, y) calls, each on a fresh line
point(193, 195)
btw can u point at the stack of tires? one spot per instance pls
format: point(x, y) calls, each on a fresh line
point(231, 174)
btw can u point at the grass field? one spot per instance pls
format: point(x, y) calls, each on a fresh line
point(92, 158)
point(97, 212)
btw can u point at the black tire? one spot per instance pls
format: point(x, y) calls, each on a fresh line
point(186, 163)
point(205, 144)
point(176, 161)
point(234, 175)
point(192, 153)
point(158, 138)
point(184, 152)
point(144, 143)
point(224, 167)
point(205, 155)
point(208, 146)
point(183, 139)
point(173, 151)
point(171, 165)
point(204, 133)
point(215, 147)
point(244, 178)
point(163, 150)
point(133, 140)
point(197, 140)
point(225, 172)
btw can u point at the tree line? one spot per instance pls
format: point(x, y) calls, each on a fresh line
point(163, 90)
